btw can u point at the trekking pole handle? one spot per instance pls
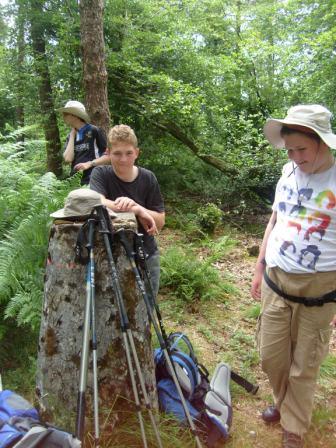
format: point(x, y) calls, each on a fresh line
point(249, 387)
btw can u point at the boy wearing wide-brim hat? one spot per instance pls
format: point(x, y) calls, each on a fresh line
point(295, 274)
point(86, 144)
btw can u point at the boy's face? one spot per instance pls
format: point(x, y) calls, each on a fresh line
point(123, 155)
point(68, 119)
point(308, 154)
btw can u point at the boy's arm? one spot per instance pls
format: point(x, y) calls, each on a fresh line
point(69, 152)
point(260, 264)
point(124, 204)
point(159, 217)
point(102, 160)
point(146, 219)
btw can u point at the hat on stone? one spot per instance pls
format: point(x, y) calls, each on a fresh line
point(80, 203)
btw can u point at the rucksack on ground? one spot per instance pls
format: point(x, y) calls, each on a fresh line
point(20, 426)
point(208, 401)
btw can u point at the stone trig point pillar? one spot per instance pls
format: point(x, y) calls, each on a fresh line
point(60, 340)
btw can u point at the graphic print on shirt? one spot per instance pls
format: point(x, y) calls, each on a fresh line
point(289, 191)
point(311, 251)
point(287, 245)
point(320, 228)
point(308, 227)
point(329, 195)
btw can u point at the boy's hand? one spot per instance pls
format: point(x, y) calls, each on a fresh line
point(124, 204)
point(146, 220)
point(256, 283)
point(333, 322)
point(82, 166)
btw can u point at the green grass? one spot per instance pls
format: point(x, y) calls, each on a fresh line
point(328, 367)
point(190, 279)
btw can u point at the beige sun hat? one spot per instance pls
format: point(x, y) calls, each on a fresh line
point(312, 116)
point(75, 108)
point(80, 203)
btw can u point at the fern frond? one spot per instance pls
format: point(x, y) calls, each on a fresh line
point(25, 306)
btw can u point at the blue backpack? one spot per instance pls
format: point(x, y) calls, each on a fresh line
point(209, 402)
point(20, 426)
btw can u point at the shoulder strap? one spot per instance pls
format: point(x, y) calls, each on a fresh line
point(175, 338)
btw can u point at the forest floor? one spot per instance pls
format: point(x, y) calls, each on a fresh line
point(222, 330)
point(226, 332)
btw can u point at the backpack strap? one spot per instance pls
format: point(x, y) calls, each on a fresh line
point(187, 374)
point(175, 338)
point(81, 256)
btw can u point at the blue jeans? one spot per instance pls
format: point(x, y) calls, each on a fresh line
point(153, 264)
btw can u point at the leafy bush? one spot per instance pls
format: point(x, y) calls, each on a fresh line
point(218, 248)
point(187, 223)
point(27, 199)
point(190, 279)
point(23, 249)
point(209, 217)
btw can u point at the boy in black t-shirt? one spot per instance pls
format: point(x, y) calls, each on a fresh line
point(86, 144)
point(129, 188)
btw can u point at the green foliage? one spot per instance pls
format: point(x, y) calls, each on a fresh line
point(23, 248)
point(27, 199)
point(209, 217)
point(252, 312)
point(18, 356)
point(218, 248)
point(187, 223)
point(191, 280)
point(328, 367)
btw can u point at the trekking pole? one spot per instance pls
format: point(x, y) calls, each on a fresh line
point(90, 247)
point(81, 404)
point(140, 253)
point(163, 344)
point(104, 219)
point(141, 258)
point(142, 382)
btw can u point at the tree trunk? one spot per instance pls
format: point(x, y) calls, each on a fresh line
point(37, 23)
point(60, 342)
point(94, 67)
point(19, 84)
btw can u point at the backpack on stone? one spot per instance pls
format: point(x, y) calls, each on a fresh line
point(20, 426)
point(208, 401)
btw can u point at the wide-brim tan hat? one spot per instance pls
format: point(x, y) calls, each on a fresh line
point(75, 108)
point(80, 203)
point(313, 116)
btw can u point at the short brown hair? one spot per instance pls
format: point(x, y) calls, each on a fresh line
point(289, 129)
point(122, 133)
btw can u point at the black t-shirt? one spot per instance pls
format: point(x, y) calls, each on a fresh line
point(90, 143)
point(144, 190)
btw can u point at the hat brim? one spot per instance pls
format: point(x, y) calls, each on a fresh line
point(272, 131)
point(76, 112)
point(60, 214)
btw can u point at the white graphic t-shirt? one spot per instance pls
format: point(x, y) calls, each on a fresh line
point(304, 236)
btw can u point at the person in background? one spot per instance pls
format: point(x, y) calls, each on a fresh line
point(127, 187)
point(295, 273)
point(85, 145)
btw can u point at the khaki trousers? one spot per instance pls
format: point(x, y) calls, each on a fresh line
point(293, 341)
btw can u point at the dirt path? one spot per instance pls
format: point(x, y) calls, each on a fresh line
point(224, 332)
